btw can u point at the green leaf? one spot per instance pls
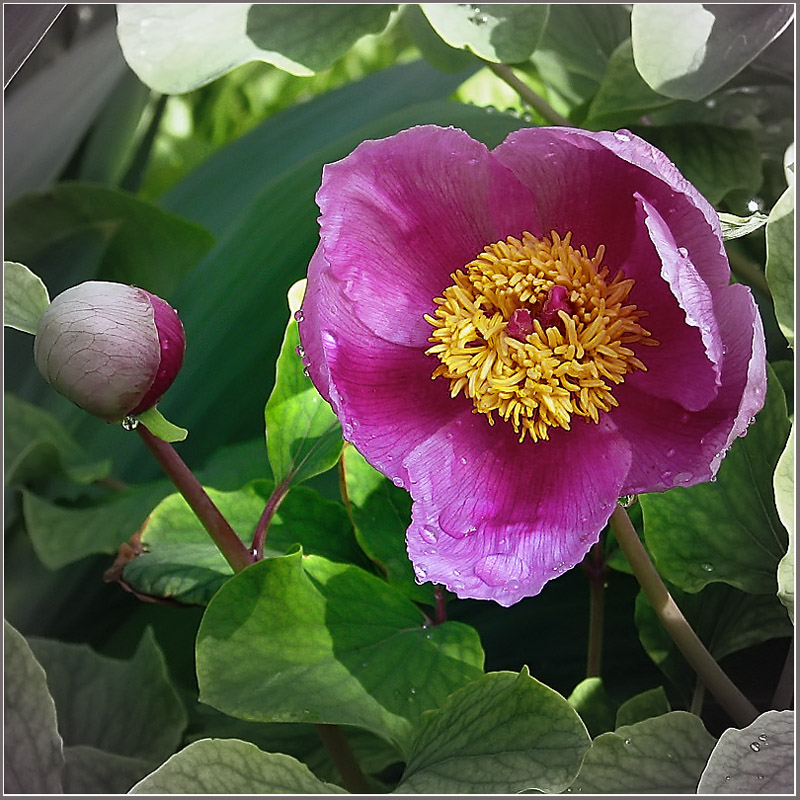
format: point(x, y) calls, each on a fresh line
point(597, 710)
point(25, 297)
point(729, 530)
point(142, 244)
point(436, 51)
point(303, 639)
point(216, 38)
point(62, 535)
point(758, 759)
point(179, 561)
point(661, 755)
point(652, 703)
point(230, 766)
point(501, 734)
point(232, 466)
point(304, 437)
point(725, 619)
point(161, 427)
point(89, 770)
point(780, 261)
point(37, 444)
point(137, 691)
point(716, 159)
point(577, 44)
point(381, 514)
point(622, 96)
point(734, 227)
point(33, 751)
point(783, 481)
point(687, 50)
point(502, 33)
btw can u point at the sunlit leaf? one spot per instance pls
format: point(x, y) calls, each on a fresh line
point(734, 227)
point(504, 733)
point(230, 766)
point(652, 703)
point(216, 37)
point(597, 710)
point(303, 639)
point(783, 481)
point(496, 32)
point(660, 755)
point(25, 297)
point(758, 759)
point(686, 50)
point(32, 745)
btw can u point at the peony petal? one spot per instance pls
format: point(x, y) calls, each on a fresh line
point(675, 447)
point(382, 392)
point(685, 366)
point(399, 215)
point(496, 519)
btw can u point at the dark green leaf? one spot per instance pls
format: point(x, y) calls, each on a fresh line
point(725, 619)
point(24, 297)
point(780, 261)
point(143, 244)
point(179, 561)
point(758, 759)
point(497, 32)
point(622, 97)
point(62, 535)
point(597, 710)
point(37, 444)
point(381, 513)
point(232, 466)
point(661, 755)
point(687, 50)
point(303, 639)
point(89, 770)
point(33, 752)
point(503, 733)
point(652, 703)
point(577, 44)
point(304, 437)
point(727, 530)
point(93, 693)
point(229, 766)
point(717, 160)
point(301, 39)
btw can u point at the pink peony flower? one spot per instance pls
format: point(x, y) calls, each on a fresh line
point(521, 336)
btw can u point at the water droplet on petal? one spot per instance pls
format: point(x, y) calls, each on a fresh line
point(622, 136)
point(683, 477)
point(306, 372)
point(463, 459)
point(429, 536)
point(685, 417)
point(397, 481)
point(683, 252)
point(670, 452)
point(130, 423)
point(755, 746)
point(300, 351)
point(298, 315)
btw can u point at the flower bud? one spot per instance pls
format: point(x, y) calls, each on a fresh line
point(111, 349)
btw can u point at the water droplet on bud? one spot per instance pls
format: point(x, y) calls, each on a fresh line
point(130, 423)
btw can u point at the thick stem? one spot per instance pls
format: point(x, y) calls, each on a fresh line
point(343, 759)
point(740, 709)
point(784, 691)
point(229, 544)
point(441, 605)
point(596, 570)
point(275, 499)
point(505, 73)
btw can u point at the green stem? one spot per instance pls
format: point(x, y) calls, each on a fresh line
point(343, 759)
point(740, 709)
point(596, 570)
point(506, 74)
point(260, 535)
point(229, 544)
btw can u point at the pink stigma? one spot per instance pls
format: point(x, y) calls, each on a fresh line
point(556, 301)
point(520, 324)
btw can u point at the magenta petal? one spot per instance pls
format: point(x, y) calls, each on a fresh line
point(496, 519)
point(675, 447)
point(399, 215)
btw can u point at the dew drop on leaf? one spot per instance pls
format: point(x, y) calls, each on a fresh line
point(755, 746)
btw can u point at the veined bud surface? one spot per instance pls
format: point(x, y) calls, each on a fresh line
point(111, 349)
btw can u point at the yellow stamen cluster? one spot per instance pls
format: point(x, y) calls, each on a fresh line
point(537, 381)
